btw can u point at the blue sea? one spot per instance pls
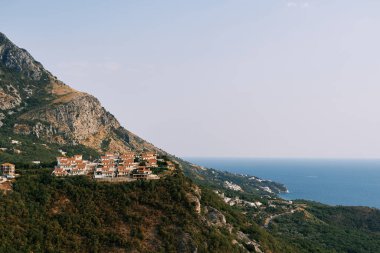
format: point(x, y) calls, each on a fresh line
point(334, 182)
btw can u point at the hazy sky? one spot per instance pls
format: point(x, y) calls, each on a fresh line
point(253, 78)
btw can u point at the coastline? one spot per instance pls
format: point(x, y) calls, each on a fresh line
point(333, 182)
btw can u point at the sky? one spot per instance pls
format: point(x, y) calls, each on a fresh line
point(218, 78)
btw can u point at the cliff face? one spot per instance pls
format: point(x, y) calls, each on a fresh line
point(44, 107)
point(75, 117)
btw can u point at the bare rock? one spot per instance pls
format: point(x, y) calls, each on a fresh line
point(22, 129)
point(250, 244)
point(215, 217)
point(2, 116)
point(194, 200)
point(9, 98)
point(17, 59)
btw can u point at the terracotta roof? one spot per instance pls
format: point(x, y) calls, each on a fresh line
point(59, 171)
point(8, 164)
point(106, 169)
point(81, 166)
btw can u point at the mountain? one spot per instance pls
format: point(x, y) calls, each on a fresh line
point(46, 108)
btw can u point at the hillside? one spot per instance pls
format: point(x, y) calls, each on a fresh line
point(48, 214)
point(322, 228)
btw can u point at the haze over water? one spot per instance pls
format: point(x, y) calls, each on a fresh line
point(330, 181)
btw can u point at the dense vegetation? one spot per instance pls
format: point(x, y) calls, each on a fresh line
point(76, 214)
point(323, 228)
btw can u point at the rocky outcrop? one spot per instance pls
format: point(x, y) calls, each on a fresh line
point(22, 129)
point(215, 217)
point(249, 244)
point(80, 117)
point(194, 198)
point(9, 97)
point(19, 60)
point(2, 116)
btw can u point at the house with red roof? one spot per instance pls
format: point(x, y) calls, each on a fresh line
point(141, 172)
point(60, 172)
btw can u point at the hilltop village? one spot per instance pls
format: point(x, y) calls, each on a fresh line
point(129, 166)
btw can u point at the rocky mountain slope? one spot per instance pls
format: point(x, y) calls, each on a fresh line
point(44, 107)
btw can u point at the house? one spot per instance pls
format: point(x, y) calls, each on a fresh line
point(148, 155)
point(66, 162)
point(141, 172)
point(127, 158)
point(104, 172)
point(109, 159)
point(8, 170)
point(77, 172)
point(111, 156)
point(78, 157)
point(80, 169)
point(98, 173)
point(61, 160)
point(127, 162)
point(108, 171)
point(108, 163)
point(152, 162)
point(149, 159)
point(15, 142)
point(60, 172)
point(90, 166)
point(74, 159)
point(128, 155)
point(123, 171)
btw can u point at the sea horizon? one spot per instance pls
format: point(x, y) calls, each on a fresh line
point(278, 158)
point(332, 181)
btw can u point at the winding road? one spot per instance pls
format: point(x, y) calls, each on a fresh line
point(270, 218)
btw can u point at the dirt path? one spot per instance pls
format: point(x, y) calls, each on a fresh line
point(270, 218)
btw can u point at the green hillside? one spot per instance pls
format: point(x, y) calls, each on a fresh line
point(77, 214)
